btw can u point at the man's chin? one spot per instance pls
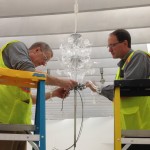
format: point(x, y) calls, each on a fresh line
point(114, 57)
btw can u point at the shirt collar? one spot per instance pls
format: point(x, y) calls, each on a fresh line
point(122, 61)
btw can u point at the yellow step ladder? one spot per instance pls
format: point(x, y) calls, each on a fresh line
point(32, 80)
point(139, 87)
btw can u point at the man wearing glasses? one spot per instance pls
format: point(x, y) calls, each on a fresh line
point(15, 55)
point(133, 65)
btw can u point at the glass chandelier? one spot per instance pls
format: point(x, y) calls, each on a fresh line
point(75, 54)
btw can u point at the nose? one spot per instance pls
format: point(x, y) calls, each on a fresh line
point(110, 49)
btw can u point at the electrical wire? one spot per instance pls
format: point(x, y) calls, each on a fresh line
point(62, 104)
point(81, 126)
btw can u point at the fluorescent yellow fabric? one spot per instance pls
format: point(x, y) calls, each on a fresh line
point(135, 111)
point(15, 104)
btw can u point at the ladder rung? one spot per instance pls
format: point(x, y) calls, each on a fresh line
point(135, 140)
point(16, 127)
point(135, 133)
point(19, 137)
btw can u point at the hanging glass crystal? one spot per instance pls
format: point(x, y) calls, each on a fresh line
point(75, 52)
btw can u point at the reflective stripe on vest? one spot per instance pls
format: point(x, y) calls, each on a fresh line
point(15, 104)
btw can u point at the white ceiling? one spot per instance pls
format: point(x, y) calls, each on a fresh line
point(53, 20)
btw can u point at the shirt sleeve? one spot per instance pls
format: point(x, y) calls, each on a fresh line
point(108, 92)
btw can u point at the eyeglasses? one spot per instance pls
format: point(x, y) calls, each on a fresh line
point(113, 45)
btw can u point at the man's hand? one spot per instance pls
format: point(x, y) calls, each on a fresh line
point(67, 84)
point(61, 93)
point(91, 85)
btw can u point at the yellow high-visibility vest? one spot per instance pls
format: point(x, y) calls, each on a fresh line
point(135, 111)
point(15, 103)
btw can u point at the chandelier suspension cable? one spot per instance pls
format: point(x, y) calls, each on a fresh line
point(76, 12)
point(75, 92)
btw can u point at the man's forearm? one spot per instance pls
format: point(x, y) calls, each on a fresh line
point(50, 80)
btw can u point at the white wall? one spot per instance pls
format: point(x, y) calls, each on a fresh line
point(97, 134)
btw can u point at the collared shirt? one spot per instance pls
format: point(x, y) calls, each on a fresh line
point(122, 61)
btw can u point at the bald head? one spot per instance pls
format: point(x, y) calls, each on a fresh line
point(43, 46)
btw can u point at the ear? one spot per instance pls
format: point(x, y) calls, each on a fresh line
point(126, 42)
point(35, 50)
point(38, 49)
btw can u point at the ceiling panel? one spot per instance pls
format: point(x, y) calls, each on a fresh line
point(38, 7)
point(64, 23)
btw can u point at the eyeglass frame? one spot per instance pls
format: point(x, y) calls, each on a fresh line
point(115, 44)
point(44, 55)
